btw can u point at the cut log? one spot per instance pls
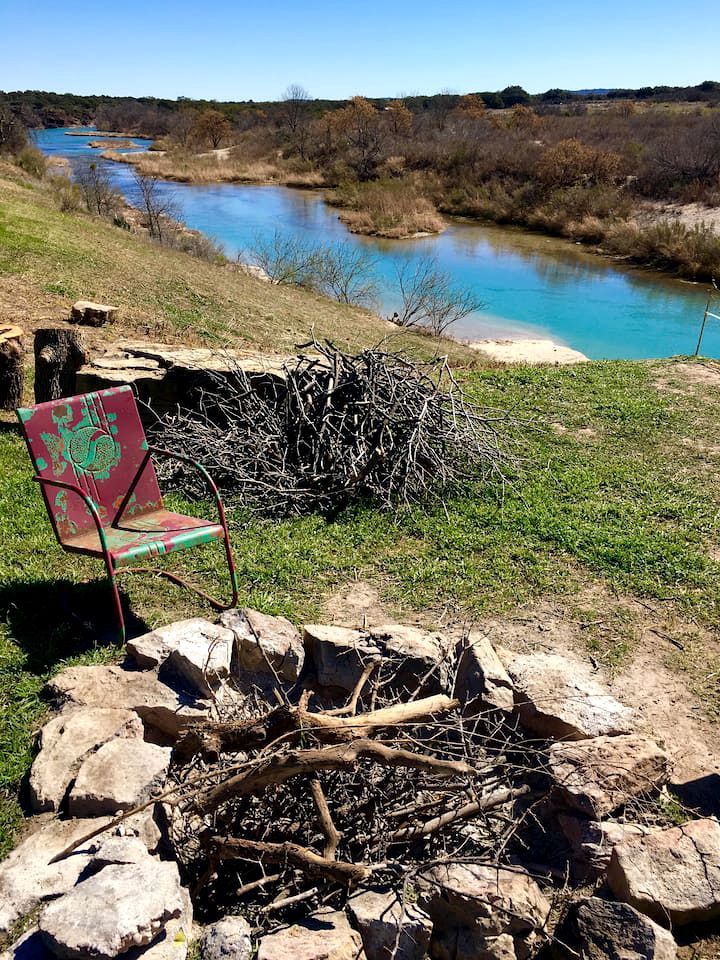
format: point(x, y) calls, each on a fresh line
point(12, 369)
point(59, 354)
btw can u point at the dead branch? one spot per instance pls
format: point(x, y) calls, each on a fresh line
point(332, 837)
point(348, 874)
point(278, 769)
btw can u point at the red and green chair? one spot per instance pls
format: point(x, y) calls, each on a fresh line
point(95, 469)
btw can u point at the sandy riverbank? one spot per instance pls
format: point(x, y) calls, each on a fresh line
point(528, 351)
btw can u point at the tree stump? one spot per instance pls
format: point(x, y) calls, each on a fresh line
point(59, 353)
point(12, 370)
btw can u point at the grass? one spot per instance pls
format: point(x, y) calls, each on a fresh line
point(625, 504)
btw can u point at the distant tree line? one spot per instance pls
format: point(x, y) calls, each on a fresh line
point(157, 117)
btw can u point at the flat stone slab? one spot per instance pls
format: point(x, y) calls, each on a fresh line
point(559, 698)
point(65, 740)
point(123, 906)
point(326, 936)
point(156, 703)
point(599, 775)
point(264, 644)
point(118, 777)
point(671, 875)
point(26, 875)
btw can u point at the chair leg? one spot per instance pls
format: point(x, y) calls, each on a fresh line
point(112, 577)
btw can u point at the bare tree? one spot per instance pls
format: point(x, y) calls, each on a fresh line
point(157, 204)
point(285, 259)
point(94, 183)
point(340, 271)
point(429, 299)
point(296, 115)
point(347, 274)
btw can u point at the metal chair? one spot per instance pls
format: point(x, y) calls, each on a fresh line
point(95, 470)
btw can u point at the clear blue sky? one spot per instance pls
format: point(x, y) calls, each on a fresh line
point(239, 50)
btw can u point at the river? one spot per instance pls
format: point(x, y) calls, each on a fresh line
point(531, 285)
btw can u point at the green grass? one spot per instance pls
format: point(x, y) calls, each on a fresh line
point(627, 505)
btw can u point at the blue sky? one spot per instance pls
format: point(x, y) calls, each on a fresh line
point(236, 51)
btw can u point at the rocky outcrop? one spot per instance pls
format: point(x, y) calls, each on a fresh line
point(390, 929)
point(599, 775)
point(671, 875)
point(121, 775)
point(129, 904)
point(65, 740)
point(558, 698)
point(601, 930)
point(264, 645)
point(325, 936)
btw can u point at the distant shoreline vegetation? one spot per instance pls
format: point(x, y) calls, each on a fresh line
point(47, 109)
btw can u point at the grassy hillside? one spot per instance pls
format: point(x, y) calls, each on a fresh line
point(48, 259)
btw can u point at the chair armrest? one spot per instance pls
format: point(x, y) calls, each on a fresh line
point(89, 503)
point(162, 452)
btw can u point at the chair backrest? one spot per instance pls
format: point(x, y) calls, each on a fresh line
point(97, 442)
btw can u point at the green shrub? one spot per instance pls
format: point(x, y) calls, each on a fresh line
point(32, 161)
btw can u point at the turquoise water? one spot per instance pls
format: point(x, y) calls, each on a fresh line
point(532, 286)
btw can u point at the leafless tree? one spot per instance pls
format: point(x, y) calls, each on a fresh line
point(347, 274)
point(94, 183)
point(157, 204)
point(285, 259)
point(428, 297)
point(296, 115)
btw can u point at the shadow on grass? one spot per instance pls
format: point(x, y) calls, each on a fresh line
point(56, 620)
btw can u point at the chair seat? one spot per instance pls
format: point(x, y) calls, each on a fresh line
point(150, 535)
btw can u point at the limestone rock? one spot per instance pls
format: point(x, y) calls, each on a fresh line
point(122, 906)
point(228, 939)
point(559, 698)
point(26, 875)
point(339, 654)
point(173, 942)
point(152, 649)
point(418, 659)
point(485, 901)
point(260, 639)
point(92, 314)
point(156, 703)
point(122, 774)
point(412, 659)
point(390, 930)
point(591, 843)
point(482, 680)
point(113, 850)
point(599, 775)
point(65, 740)
point(325, 936)
point(196, 651)
point(671, 875)
point(603, 930)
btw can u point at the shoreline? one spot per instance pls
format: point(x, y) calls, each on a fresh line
point(530, 351)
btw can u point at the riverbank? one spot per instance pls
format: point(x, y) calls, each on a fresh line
point(530, 352)
point(678, 239)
